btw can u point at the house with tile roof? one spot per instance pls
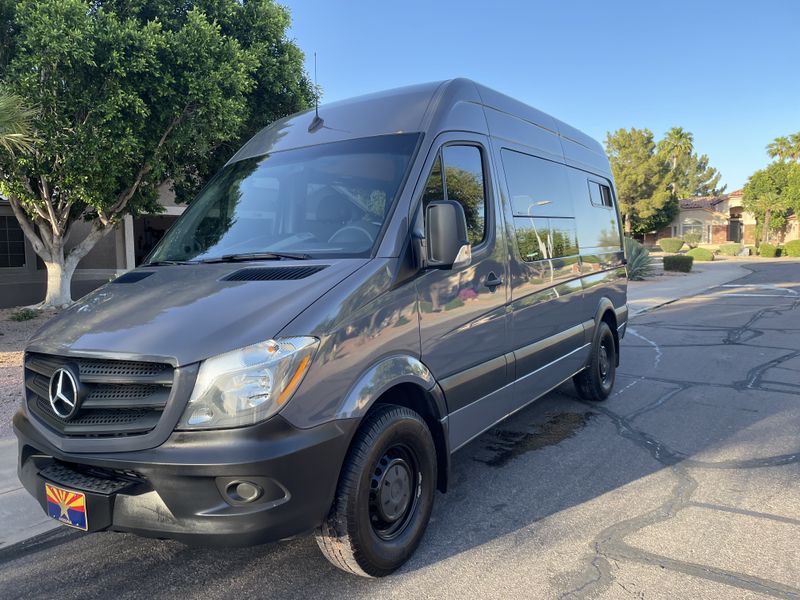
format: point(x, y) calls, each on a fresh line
point(719, 219)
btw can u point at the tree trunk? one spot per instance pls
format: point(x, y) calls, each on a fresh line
point(765, 230)
point(59, 279)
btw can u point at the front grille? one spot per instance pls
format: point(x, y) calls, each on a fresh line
point(120, 398)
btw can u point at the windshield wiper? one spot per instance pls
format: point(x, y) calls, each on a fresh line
point(163, 263)
point(257, 256)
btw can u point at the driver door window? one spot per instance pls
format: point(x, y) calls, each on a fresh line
point(457, 174)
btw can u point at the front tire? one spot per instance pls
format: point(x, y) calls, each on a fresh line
point(596, 381)
point(385, 494)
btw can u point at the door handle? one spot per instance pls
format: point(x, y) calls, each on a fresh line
point(492, 281)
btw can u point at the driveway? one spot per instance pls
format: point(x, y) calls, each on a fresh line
point(683, 484)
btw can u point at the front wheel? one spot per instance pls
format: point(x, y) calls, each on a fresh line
point(385, 494)
point(597, 379)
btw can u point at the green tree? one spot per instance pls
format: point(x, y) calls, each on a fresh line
point(690, 174)
point(785, 147)
point(770, 193)
point(694, 177)
point(15, 125)
point(131, 94)
point(641, 176)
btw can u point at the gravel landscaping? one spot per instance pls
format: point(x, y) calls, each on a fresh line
point(13, 335)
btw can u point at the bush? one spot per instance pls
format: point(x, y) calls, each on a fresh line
point(678, 262)
point(24, 314)
point(731, 249)
point(700, 254)
point(792, 248)
point(671, 245)
point(753, 250)
point(768, 250)
point(639, 264)
point(692, 239)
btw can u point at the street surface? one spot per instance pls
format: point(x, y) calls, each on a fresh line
point(684, 484)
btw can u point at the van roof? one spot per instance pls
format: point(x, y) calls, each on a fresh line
point(455, 104)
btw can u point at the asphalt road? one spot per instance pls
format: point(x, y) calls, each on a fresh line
point(683, 484)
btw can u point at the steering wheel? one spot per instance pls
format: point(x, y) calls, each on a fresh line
point(350, 234)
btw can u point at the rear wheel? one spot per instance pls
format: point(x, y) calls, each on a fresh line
point(597, 380)
point(385, 494)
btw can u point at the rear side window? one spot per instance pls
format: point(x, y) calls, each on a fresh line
point(600, 194)
point(457, 174)
point(537, 187)
point(541, 204)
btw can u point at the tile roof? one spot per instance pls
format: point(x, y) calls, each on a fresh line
point(702, 202)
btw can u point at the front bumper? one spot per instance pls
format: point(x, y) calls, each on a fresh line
point(178, 490)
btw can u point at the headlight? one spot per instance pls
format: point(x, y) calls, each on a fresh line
point(248, 385)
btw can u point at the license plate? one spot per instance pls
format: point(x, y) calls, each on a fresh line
point(67, 507)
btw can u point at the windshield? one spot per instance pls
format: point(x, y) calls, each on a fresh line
point(321, 201)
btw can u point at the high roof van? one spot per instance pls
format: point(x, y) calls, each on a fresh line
point(355, 296)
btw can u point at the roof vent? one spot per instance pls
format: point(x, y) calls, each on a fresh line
point(132, 276)
point(274, 273)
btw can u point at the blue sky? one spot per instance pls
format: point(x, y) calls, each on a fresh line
point(727, 71)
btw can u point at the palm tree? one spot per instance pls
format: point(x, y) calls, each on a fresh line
point(678, 142)
point(780, 148)
point(16, 132)
point(795, 149)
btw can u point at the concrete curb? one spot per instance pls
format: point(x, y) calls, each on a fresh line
point(645, 297)
point(20, 513)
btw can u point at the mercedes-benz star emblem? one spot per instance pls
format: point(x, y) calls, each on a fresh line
point(64, 393)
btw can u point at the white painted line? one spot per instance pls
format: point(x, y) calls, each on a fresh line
point(657, 360)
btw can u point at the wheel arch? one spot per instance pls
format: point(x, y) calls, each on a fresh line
point(606, 312)
point(404, 381)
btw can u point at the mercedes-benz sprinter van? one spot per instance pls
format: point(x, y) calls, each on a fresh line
point(356, 295)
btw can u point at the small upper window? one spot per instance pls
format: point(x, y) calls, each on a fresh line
point(461, 180)
point(600, 194)
point(12, 243)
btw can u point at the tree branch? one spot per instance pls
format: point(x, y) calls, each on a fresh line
point(27, 226)
point(87, 243)
point(124, 197)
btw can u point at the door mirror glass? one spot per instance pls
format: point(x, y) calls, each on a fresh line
point(446, 232)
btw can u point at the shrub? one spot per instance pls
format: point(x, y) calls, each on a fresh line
point(753, 250)
point(731, 249)
point(792, 248)
point(678, 262)
point(671, 245)
point(24, 314)
point(692, 239)
point(700, 254)
point(639, 265)
point(768, 250)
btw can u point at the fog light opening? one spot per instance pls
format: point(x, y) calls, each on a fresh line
point(243, 491)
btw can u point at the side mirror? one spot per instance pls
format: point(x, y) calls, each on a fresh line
point(446, 234)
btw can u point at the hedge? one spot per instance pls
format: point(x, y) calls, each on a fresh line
point(792, 248)
point(700, 254)
point(671, 245)
point(678, 262)
point(732, 249)
point(768, 250)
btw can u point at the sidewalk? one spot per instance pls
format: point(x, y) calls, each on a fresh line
point(21, 515)
point(657, 291)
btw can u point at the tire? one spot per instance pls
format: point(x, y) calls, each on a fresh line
point(385, 494)
point(596, 381)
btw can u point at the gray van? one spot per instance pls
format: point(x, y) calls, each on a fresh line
point(356, 295)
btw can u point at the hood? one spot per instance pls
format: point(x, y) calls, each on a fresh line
point(185, 313)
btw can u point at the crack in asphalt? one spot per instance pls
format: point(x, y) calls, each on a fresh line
point(610, 546)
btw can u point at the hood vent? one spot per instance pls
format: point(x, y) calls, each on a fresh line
point(274, 273)
point(132, 277)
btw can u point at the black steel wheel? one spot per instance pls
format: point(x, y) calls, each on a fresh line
point(385, 494)
point(596, 381)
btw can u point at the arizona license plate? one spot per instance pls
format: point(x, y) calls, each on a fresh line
point(67, 507)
